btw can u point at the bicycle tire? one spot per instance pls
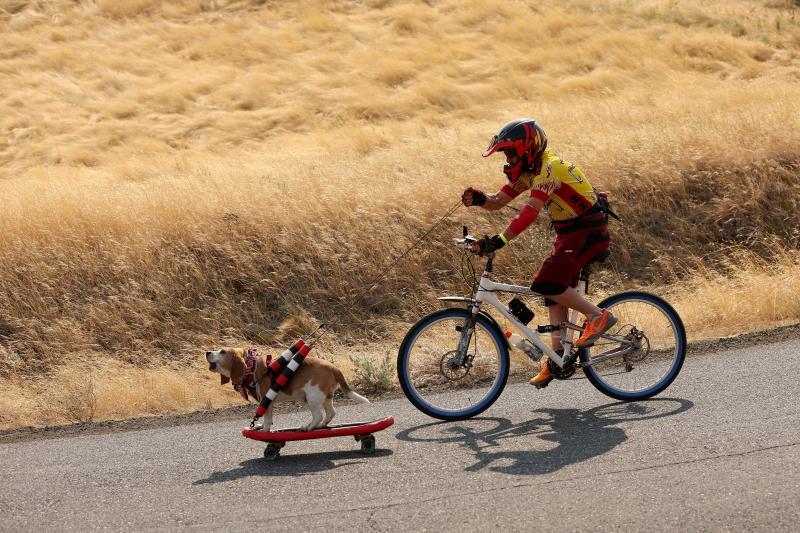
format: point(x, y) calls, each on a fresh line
point(673, 372)
point(410, 391)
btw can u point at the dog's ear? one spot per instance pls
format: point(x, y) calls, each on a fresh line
point(223, 379)
point(238, 368)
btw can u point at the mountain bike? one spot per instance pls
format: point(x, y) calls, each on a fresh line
point(453, 364)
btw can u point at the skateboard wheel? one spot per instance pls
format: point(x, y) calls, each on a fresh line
point(368, 444)
point(272, 452)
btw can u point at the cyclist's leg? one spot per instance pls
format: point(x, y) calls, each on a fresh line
point(558, 314)
point(552, 279)
point(576, 250)
point(572, 299)
point(597, 242)
point(558, 277)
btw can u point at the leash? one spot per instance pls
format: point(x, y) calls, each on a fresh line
point(284, 367)
point(390, 266)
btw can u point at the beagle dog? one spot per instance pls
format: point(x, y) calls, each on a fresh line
point(313, 383)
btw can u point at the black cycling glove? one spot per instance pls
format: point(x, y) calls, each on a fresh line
point(488, 244)
point(473, 197)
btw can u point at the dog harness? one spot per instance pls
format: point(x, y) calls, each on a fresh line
point(247, 385)
point(282, 369)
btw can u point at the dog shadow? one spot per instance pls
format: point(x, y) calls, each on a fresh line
point(577, 435)
point(290, 465)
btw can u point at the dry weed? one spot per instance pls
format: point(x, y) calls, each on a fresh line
point(373, 374)
point(75, 398)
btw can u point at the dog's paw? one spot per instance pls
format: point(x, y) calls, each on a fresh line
point(261, 426)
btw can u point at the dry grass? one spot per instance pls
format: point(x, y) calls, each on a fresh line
point(98, 389)
point(732, 299)
point(176, 175)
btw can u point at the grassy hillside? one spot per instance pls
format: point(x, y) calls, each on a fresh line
point(176, 175)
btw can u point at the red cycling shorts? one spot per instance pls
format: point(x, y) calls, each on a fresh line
point(571, 252)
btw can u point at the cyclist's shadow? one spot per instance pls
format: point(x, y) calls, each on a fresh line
point(579, 435)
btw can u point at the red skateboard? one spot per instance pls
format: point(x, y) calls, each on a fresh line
point(361, 431)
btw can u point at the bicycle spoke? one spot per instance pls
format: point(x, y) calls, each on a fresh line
point(439, 379)
point(650, 348)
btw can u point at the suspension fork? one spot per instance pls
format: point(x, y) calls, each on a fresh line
point(467, 330)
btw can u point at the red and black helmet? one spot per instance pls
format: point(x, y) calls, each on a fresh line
point(525, 141)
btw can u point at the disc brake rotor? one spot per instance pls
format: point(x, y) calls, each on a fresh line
point(450, 369)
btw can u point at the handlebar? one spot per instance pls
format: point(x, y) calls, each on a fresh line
point(466, 244)
point(468, 240)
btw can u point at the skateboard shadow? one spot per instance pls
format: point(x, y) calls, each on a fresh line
point(562, 436)
point(291, 465)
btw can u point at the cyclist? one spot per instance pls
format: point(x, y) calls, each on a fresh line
point(578, 219)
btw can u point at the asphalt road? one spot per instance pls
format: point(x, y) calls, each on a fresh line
point(719, 450)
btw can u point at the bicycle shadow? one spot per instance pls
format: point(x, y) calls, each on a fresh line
point(292, 465)
point(578, 435)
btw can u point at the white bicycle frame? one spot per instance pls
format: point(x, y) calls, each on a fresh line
point(487, 288)
point(486, 294)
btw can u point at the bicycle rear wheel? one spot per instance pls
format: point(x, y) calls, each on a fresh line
point(655, 340)
point(431, 376)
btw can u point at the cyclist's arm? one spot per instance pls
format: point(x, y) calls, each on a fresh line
point(526, 216)
point(497, 200)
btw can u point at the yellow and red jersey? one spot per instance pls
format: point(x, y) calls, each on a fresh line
point(572, 195)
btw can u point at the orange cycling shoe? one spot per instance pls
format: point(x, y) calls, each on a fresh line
point(544, 377)
point(594, 328)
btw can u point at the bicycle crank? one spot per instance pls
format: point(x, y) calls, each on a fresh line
point(569, 367)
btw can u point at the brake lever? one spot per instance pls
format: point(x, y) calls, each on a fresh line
point(468, 239)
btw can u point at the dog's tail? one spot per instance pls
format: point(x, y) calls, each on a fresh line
point(348, 392)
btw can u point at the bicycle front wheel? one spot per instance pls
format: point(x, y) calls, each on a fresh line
point(440, 382)
point(651, 336)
